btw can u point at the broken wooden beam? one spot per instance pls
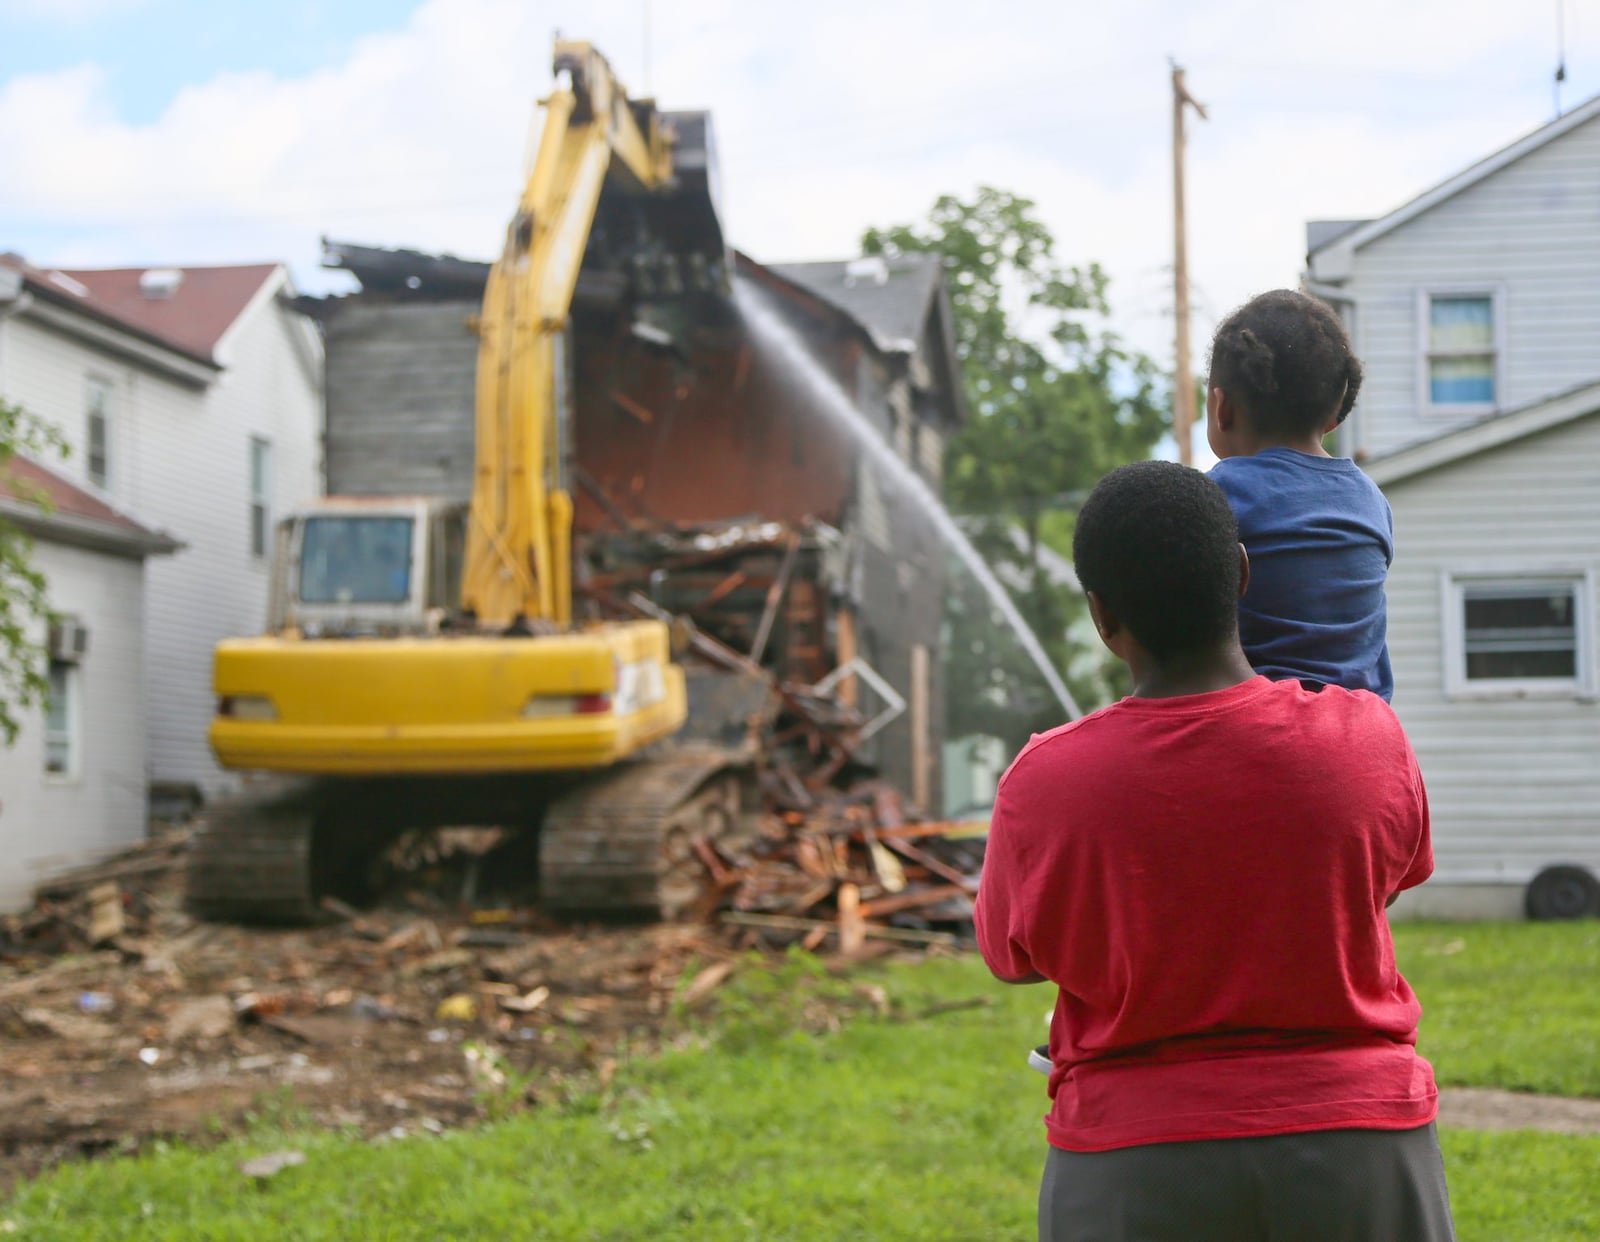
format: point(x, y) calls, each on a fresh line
point(787, 922)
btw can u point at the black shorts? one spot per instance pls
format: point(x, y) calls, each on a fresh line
point(1326, 1186)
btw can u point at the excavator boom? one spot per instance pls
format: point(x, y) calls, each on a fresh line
point(518, 568)
point(392, 706)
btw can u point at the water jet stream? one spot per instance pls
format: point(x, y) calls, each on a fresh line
point(789, 350)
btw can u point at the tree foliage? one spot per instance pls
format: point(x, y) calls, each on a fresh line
point(1057, 400)
point(24, 611)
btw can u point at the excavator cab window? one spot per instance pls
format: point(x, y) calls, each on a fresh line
point(355, 560)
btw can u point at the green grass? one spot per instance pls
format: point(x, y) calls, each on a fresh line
point(1514, 1005)
point(909, 1126)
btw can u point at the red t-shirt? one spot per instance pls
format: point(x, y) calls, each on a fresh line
point(1204, 879)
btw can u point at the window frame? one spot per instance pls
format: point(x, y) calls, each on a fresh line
point(261, 549)
point(71, 735)
point(1496, 293)
point(1453, 584)
point(98, 384)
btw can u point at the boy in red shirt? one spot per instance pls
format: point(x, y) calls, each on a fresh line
point(1202, 870)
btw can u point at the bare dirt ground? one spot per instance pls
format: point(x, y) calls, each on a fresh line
point(410, 1018)
point(1483, 1108)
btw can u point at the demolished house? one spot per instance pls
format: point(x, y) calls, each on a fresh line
point(708, 483)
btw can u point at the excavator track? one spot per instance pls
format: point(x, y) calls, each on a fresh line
point(620, 841)
point(625, 842)
point(251, 861)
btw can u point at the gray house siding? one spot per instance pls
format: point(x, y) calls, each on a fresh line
point(1513, 779)
point(1530, 232)
point(400, 385)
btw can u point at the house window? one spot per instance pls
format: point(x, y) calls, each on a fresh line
point(60, 720)
point(1519, 634)
point(260, 496)
point(97, 433)
point(1461, 361)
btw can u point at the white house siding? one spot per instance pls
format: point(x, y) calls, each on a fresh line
point(1514, 784)
point(1533, 228)
point(195, 475)
point(181, 464)
point(49, 823)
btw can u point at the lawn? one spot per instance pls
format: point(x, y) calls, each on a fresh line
point(1514, 1005)
point(905, 1123)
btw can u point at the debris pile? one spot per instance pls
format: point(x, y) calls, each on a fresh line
point(395, 1021)
point(839, 859)
point(125, 1018)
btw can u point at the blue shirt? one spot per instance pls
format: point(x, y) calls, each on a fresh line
point(1320, 539)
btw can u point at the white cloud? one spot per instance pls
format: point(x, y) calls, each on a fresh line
point(831, 117)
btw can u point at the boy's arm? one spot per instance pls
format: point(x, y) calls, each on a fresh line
point(1420, 866)
point(999, 913)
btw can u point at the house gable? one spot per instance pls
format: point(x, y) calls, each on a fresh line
point(1517, 240)
point(1333, 243)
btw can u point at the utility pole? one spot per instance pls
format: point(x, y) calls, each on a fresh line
point(1183, 412)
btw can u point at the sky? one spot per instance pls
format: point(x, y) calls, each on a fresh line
point(146, 132)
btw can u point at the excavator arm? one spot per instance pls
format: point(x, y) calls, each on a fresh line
point(519, 561)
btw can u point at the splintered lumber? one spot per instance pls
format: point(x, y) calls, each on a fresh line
point(775, 594)
point(873, 931)
point(912, 901)
point(924, 859)
point(706, 982)
point(852, 925)
point(105, 913)
point(147, 858)
point(633, 408)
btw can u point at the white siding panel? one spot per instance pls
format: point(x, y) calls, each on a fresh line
point(1532, 228)
point(49, 824)
point(198, 476)
point(181, 462)
point(1514, 784)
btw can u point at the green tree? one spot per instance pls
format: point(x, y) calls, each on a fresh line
point(23, 607)
point(1057, 400)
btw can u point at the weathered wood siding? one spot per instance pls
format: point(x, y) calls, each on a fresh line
point(400, 388)
point(1514, 783)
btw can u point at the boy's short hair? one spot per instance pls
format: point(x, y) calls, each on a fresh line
point(1285, 358)
point(1158, 543)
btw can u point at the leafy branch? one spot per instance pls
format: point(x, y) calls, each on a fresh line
point(24, 609)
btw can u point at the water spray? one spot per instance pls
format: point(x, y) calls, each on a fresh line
point(789, 351)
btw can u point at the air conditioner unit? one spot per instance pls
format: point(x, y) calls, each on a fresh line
point(69, 640)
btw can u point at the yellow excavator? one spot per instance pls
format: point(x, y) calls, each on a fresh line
point(422, 667)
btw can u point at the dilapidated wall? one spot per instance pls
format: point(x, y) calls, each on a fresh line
point(400, 382)
point(720, 435)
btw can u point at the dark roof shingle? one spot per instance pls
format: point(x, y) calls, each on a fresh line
point(894, 309)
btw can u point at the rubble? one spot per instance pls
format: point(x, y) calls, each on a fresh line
point(126, 1019)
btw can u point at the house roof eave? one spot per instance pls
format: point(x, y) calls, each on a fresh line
point(1485, 434)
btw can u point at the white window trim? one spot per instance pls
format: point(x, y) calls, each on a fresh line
point(264, 499)
point(1452, 610)
point(91, 382)
point(74, 773)
point(1496, 293)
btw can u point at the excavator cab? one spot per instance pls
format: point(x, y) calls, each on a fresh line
point(382, 566)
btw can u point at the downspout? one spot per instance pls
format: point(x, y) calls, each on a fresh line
point(1351, 431)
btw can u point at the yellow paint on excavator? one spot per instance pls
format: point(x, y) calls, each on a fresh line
point(415, 706)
